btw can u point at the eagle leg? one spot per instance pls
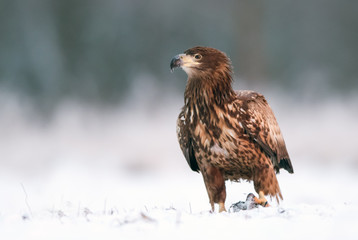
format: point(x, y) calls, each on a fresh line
point(222, 207)
point(265, 183)
point(215, 186)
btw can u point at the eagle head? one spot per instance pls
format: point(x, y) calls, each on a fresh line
point(202, 61)
point(209, 75)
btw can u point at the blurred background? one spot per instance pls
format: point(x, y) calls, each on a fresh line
point(87, 82)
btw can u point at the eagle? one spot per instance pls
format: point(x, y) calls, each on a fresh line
point(227, 134)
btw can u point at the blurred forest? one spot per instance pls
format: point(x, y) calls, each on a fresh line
point(97, 51)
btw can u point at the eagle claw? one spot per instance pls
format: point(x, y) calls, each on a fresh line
point(251, 202)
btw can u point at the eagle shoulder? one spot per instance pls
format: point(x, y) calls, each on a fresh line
point(259, 122)
point(185, 142)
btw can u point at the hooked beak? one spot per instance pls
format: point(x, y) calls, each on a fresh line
point(176, 62)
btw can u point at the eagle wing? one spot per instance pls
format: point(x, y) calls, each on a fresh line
point(185, 142)
point(259, 122)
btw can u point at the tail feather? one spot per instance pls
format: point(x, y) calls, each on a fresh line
point(286, 164)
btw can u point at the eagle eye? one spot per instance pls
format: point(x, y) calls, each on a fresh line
point(197, 56)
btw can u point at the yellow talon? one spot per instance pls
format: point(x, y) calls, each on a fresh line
point(222, 207)
point(261, 200)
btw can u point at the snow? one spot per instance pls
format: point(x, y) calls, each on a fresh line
point(91, 174)
point(80, 203)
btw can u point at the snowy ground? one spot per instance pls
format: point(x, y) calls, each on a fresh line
point(94, 175)
point(80, 203)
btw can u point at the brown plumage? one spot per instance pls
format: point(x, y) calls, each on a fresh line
point(227, 135)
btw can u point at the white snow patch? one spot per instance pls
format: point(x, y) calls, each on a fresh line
point(91, 203)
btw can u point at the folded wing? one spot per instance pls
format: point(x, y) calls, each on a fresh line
point(259, 122)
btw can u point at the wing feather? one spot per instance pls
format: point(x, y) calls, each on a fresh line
point(185, 142)
point(260, 124)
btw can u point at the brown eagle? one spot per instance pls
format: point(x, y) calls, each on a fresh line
point(227, 134)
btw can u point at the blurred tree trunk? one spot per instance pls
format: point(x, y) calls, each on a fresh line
point(250, 47)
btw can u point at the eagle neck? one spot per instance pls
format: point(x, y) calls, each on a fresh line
point(204, 94)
